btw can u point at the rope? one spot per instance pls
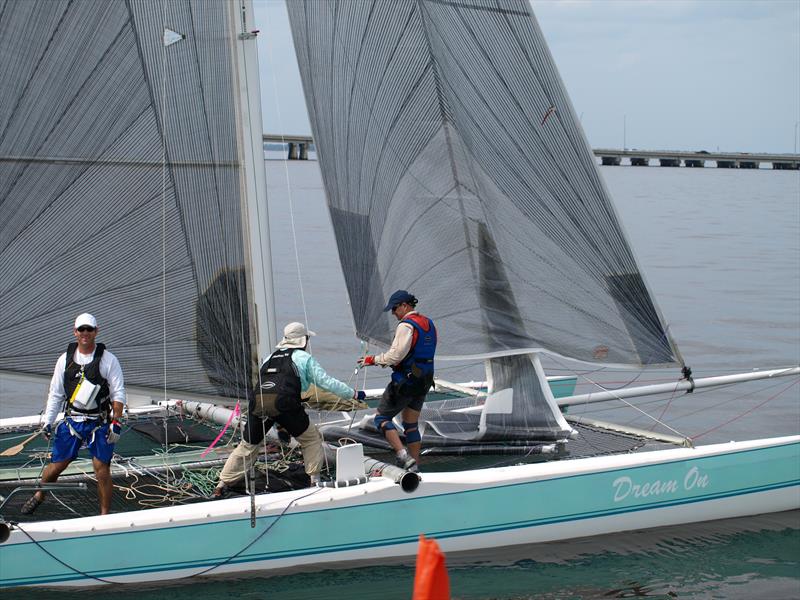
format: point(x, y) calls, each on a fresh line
point(58, 560)
point(261, 535)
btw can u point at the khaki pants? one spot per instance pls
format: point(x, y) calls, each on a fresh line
point(246, 453)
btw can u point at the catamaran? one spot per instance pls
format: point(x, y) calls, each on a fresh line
point(452, 160)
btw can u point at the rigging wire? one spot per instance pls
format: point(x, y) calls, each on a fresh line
point(295, 244)
point(629, 404)
point(289, 189)
point(290, 196)
point(737, 417)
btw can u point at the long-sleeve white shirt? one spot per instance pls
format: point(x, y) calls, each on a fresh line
point(401, 344)
point(110, 369)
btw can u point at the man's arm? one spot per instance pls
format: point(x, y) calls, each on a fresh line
point(401, 344)
point(56, 394)
point(316, 375)
point(111, 370)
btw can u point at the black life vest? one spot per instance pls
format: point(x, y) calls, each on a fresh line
point(90, 372)
point(415, 371)
point(280, 385)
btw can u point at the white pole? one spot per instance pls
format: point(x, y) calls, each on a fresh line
point(257, 213)
point(662, 388)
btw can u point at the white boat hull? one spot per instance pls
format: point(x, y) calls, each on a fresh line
point(464, 511)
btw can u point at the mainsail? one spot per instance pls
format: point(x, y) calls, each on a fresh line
point(454, 167)
point(126, 170)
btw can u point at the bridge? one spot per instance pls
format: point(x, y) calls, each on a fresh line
point(299, 145)
point(674, 158)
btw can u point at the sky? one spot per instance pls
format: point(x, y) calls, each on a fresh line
point(648, 74)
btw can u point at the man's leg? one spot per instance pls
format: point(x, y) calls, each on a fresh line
point(296, 422)
point(386, 411)
point(244, 454)
point(311, 444)
point(50, 474)
point(238, 462)
point(411, 427)
point(393, 438)
point(64, 448)
point(105, 488)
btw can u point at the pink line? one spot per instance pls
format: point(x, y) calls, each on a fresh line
point(234, 412)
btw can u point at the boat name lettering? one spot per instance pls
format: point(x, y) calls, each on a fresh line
point(625, 486)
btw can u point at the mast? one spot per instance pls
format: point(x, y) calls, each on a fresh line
point(256, 215)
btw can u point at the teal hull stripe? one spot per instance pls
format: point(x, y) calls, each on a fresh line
point(402, 540)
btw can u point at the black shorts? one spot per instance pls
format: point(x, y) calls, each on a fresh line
point(393, 400)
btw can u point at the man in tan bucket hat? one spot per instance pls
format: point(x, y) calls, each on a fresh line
point(285, 379)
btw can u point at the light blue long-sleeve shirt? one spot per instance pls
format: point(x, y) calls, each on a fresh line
point(310, 371)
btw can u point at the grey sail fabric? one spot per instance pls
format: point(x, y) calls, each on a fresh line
point(532, 415)
point(90, 221)
point(455, 167)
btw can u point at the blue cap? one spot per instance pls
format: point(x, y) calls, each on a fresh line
point(397, 298)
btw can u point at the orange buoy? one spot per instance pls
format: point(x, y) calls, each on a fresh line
point(430, 579)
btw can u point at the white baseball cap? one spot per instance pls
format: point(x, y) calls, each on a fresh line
point(85, 319)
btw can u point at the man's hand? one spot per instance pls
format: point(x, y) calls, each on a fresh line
point(114, 432)
point(47, 432)
point(360, 395)
point(366, 361)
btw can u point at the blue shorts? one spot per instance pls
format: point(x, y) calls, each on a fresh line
point(66, 445)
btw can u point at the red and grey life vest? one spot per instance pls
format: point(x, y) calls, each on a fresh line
point(416, 368)
point(280, 384)
point(74, 373)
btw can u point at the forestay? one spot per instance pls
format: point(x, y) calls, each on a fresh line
point(121, 188)
point(454, 167)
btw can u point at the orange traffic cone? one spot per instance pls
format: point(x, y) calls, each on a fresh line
point(430, 580)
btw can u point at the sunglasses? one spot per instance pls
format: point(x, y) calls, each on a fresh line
point(86, 328)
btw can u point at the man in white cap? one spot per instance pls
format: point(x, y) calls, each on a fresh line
point(284, 379)
point(87, 385)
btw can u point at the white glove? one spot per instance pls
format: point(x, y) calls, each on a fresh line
point(114, 432)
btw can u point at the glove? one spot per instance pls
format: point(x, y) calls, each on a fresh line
point(283, 435)
point(366, 361)
point(114, 431)
point(47, 432)
point(360, 395)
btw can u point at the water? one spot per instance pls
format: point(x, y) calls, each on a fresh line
point(721, 252)
point(735, 559)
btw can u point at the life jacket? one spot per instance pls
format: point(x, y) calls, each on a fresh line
point(279, 385)
point(74, 374)
point(415, 371)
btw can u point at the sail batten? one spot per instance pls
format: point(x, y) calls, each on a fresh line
point(454, 163)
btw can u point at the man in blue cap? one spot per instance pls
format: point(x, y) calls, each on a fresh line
point(411, 359)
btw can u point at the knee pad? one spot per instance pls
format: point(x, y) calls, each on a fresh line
point(383, 423)
point(412, 432)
